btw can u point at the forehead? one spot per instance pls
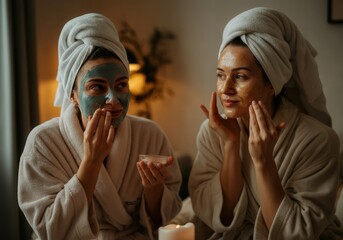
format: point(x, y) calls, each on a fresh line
point(236, 55)
point(91, 64)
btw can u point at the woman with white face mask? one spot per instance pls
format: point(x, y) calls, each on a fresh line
point(267, 168)
point(79, 174)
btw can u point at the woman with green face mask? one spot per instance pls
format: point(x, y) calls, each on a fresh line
point(79, 174)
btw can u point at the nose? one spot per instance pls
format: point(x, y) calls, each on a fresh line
point(111, 97)
point(229, 86)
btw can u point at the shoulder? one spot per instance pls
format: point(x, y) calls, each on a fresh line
point(314, 128)
point(45, 128)
point(305, 131)
point(44, 132)
point(312, 132)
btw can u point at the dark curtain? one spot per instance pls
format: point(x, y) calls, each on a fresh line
point(18, 104)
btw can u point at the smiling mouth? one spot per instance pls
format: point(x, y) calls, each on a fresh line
point(229, 103)
point(116, 113)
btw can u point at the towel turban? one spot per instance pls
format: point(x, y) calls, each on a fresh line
point(78, 39)
point(285, 55)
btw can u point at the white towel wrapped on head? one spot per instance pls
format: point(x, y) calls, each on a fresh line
point(285, 55)
point(78, 39)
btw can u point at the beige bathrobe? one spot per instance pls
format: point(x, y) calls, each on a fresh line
point(53, 199)
point(306, 157)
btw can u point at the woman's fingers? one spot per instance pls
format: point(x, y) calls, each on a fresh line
point(92, 123)
point(107, 125)
point(213, 110)
point(213, 106)
point(253, 128)
point(170, 161)
point(261, 120)
point(269, 121)
point(100, 126)
point(145, 180)
point(151, 174)
point(275, 130)
point(99, 135)
point(110, 136)
point(205, 111)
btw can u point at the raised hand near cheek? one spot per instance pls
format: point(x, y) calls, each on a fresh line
point(98, 136)
point(153, 174)
point(228, 129)
point(263, 134)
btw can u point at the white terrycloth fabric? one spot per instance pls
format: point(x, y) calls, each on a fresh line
point(54, 201)
point(78, 39)
point(285, 55)
point(306, 156)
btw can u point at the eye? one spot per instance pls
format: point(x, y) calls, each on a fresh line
point(240, 76)
point(122, 85)
point(96, 87)
point(221, 76)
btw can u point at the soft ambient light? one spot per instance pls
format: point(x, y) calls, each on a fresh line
point(134, 67)
point(137, 83)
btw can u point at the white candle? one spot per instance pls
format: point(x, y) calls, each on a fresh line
point(176, 232)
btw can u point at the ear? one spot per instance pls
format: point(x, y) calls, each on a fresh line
point(73, 98)
point(271, 89)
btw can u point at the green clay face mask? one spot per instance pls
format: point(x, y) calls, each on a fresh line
point(108, 73)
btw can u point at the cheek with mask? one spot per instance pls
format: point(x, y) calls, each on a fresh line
point(89, 103)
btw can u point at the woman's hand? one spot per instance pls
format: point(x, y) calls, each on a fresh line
point(227, 128)
point(98, 136)
point(97, 140)
point(263, 134)
point(153, 174)
point(262, 140)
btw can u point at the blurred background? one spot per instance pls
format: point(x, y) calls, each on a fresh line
point(29, 38)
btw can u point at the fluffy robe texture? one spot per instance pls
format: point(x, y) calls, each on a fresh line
point(77, 41)
point(306, 156)
point(285, 55)
point(53, 200)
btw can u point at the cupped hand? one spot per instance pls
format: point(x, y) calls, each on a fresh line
point(98, 136)
point(153, 174)
point(227, 128)
point(263, 134)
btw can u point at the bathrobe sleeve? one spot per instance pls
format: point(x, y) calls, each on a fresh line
point(49, 194)
point(309, 182)
point(205, 187)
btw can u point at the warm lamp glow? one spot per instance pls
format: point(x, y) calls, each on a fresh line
point(46, 96)
point(134, 67)
point(137, 83)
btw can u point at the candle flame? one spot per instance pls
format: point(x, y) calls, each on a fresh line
point(177, 226)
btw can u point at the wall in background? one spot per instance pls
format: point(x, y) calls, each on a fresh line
point(198, 25)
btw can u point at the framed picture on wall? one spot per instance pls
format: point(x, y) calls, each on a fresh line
point(335, 11)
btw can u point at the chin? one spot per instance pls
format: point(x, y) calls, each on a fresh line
point(233, 113)
point(117, 121)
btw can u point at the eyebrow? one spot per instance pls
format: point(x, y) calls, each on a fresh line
point(101, 80)
point(235, 69)
point(96, 79)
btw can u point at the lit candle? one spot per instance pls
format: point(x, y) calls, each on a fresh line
point(176, 232)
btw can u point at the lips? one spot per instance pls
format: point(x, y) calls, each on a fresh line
point(115, 112)
point(229, 102)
